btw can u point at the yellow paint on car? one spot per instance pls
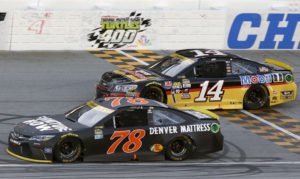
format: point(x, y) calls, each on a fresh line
point(27, 159)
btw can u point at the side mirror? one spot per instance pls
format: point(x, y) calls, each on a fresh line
point(211, 69)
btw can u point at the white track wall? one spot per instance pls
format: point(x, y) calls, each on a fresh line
point(176, 24)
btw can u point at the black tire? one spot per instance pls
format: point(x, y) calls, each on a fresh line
point(155, 93)
point(67, 150)
point(256, 97)
point(179, 148)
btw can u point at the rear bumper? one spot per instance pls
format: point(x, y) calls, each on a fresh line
point(282, 93)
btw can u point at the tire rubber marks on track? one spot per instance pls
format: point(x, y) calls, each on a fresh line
point(269, 124)
point(127, 58)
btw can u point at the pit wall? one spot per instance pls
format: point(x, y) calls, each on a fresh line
point(45, 25)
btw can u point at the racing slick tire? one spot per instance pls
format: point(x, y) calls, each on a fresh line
point(256, 97)
point(179, 148)
point(67, 150)
point(155, 93)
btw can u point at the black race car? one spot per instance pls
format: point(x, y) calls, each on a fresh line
point(209, 79)
point(117, 128)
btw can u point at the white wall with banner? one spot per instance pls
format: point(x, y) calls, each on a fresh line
point(153, 24)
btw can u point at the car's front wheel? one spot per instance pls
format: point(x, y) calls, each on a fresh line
point(67, 150)
point(155, 93)
point(256, 97)
point(179, 148)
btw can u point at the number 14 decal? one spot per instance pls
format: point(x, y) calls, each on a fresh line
point(216, 92)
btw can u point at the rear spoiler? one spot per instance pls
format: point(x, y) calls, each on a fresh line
point(201, 110)
point(279, 64)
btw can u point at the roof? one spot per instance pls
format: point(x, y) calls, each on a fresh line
point(203, 53)
point(118, 102)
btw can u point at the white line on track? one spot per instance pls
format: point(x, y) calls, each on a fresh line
point(134, 58)
point(271, 124)
point(154, 164)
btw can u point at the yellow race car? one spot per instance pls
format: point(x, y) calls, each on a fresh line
point(204, 78)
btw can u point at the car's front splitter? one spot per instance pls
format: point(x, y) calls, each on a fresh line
point(27, 159)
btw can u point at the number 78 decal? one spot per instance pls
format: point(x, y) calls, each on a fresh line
point(133, 144)
point(216, 92)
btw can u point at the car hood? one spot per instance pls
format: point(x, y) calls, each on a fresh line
point(47, 125)
point(137, 74)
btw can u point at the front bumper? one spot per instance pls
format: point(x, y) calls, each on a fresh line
point(102, 92)
point(28, 150)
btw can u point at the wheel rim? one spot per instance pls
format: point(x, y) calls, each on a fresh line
point(257, 96)
point(154, 94)
point(68, 149)
point(178, 148)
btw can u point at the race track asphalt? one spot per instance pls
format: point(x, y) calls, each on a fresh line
point(46, 83)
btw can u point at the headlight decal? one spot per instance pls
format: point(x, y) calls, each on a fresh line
point(41, 137)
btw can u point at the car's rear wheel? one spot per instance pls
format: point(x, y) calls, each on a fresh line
point(67, 150)
point(155, 93)
point(256, 97)
point(179, 148)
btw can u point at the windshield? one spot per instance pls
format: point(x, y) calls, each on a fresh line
point(171, 65)
point(89, 114)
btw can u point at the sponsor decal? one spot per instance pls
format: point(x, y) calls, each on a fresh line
point(98, 133)
point(131, 93)
point(143, 41)
point(263, 69)
point(286, 94)
point(248, 79)
point(228, 66)
point(288, 78)
point(177, 91)
point(14, 141)
point(274, 93)
point(186, 83)
point(186, 94)
point(168, 84)
point(215, 128)
point(177, 85)
point(264, 32)
point(48, 150)
point(277, 77)
point(153, 83)
point(156, 148)
point(181, 129)
point(116, 32)
point(44, 123)
point(163, 130)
